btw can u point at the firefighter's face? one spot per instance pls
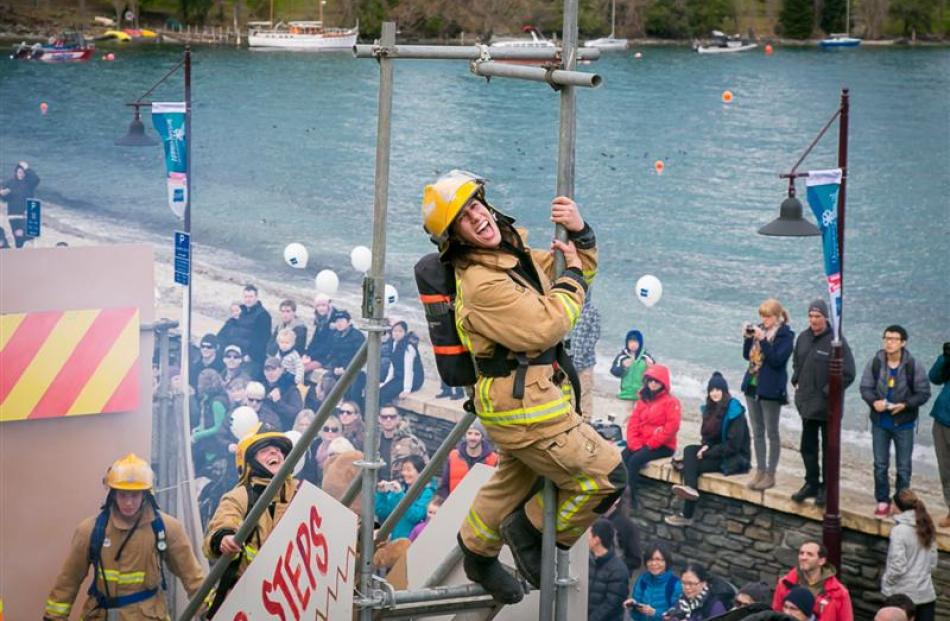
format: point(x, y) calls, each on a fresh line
point(128, 502)
point(476, 226)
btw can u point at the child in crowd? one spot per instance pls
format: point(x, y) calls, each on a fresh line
point(290, 359)
point(431, 510)
point(629, 366)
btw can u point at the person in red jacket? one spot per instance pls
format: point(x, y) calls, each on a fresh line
point(474, 449)
point(832, 600)
point(652, 427)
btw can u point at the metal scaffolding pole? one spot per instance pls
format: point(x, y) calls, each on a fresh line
point(555, 77)
point(468, 52)
point(434, 466)
point(277, 481)
point(373, 310)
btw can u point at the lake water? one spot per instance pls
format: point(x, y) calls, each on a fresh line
point(284, 149)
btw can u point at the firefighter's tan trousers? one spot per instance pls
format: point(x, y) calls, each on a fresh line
point(588, 473)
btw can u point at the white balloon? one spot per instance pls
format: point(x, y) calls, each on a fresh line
point(327, 282)
point(391, 295)
point(296, 255)
point(649, 290)
point(294, 436)
point(243, 421)
point(361, 258)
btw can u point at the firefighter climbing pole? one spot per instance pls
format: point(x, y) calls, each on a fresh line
point(375, 595)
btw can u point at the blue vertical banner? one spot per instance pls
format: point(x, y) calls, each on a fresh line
point(33, 216)
point(169, 121)
point(823, 186)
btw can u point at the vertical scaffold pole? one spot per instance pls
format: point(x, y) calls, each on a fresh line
point(373, 288)
point(554, 563)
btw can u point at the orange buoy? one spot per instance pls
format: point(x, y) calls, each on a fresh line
point(658, 166)
point(44, 107)
point(768, 49)
point(727, 96)
point(110, 56)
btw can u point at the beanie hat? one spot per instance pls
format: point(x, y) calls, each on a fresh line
point(819, 306)
point(339, 314)
point(801, 598)
point(758, 591)
point(717, 381)
point(479, 427)
point(210, 340)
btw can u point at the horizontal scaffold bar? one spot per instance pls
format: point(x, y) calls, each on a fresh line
point(538, 74)
point(469, 52)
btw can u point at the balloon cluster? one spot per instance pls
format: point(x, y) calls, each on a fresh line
point(327, 281)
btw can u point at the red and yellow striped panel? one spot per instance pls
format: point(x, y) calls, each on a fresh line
point(65, 363)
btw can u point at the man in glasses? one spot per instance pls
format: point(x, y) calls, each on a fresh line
point(894, 386)
point(396, 441)
point(208, 359)
point(233, 363)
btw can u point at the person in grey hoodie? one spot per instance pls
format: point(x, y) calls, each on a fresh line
point(810, 380)
point(895, 387)
point(912, 555)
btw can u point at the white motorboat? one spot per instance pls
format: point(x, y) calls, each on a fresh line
point(609, 43)
point(305, 35)
point(537, 40)
point(724, 44)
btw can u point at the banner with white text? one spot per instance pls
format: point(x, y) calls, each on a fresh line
point(169, 121)
point(823, 186)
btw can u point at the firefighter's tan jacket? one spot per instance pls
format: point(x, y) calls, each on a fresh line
point(494, 306)
point(231, 511)
point(136, 570)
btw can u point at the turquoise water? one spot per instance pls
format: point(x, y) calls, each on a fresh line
point(284, 151)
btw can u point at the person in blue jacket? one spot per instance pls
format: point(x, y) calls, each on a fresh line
point(767, 346)
point(657, 589)
point(940, 375)
point(389, 493)
point(725, 446)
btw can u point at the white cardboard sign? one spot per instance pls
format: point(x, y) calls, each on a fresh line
point(306, 568)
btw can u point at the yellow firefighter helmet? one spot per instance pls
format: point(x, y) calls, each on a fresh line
point(253, 442)
point(130, 473)
point(443, 200)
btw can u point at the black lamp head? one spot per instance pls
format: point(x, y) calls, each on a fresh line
point(790, 222)
point(136, 136)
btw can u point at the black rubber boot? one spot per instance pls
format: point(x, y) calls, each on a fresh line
point(491, 574)
point(525, 543)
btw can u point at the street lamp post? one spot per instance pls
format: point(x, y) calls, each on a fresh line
point(790, 224)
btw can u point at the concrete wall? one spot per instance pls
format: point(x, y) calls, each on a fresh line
point(51, 470)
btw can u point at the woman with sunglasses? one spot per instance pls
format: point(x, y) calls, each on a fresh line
point(352, 420)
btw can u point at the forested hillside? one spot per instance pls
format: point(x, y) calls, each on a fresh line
point(471, 19)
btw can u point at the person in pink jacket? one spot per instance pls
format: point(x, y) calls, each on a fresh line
point(652, 427)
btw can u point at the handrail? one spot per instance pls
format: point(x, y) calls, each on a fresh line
point(277, 482)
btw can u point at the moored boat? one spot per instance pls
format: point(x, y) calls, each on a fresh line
point(839, 40)
point(302, 35)
point(68, 47)
point(724, 44)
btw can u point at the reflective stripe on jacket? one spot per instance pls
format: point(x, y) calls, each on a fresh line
point(493, 308)
point(136, 570)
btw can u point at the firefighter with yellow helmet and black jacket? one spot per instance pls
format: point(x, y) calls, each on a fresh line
point(512, 315)
point(259, 456)
point(128, 546)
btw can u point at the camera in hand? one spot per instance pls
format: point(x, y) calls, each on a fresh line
point(749, 328)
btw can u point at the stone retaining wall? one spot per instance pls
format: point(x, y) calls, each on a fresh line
point(739, 534)
point(742, 542)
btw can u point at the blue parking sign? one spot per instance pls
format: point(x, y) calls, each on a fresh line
point(182, 259)
point(33, 207)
